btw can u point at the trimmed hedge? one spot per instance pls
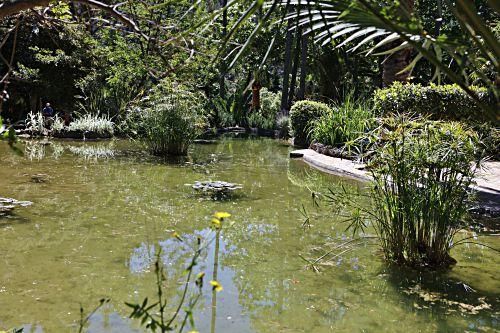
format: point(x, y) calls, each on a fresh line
point(440, 102)
point(301, 116)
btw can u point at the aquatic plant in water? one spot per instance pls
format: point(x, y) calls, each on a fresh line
point(35, 123)
point(422, 172)
point(171, 119)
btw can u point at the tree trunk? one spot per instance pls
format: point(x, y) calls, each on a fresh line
point(393, 65)
point(303, 68)
point(222, 83)
point(286, 69)
point(256, 86)
point(396, 62)
point(295, 68)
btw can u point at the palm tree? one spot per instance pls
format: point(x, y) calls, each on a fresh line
point(382, 29)
point(395, 65)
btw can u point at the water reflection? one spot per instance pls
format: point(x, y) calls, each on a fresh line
point(40, 149)
point(95, 229)
point(93, 151)
point(215, 278)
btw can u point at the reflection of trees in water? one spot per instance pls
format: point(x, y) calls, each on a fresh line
point(279, 295)
point(253, 152)
point(175, 255)
point(302, 175)
point(272, 285)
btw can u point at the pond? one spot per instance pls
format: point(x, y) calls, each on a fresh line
point(101, 212)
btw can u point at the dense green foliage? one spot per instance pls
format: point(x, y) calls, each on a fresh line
point(343, 124)
point(422, 172)
point(171, 119)
point(440, 102)
point(468, 52)
point(302, 115)
point(265, 116)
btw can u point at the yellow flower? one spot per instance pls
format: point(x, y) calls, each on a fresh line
point(176, 235)
point(222, 215)
point(216, 223)
point(216, 286)
point(200, 275)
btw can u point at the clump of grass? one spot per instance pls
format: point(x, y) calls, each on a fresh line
point(259, 120)
point(343, 124)
point(422, 175)
point(57, 125)
point(92, 123)
point(171, 119)
point(35, 123)
point(422, 172)
point(283, 125)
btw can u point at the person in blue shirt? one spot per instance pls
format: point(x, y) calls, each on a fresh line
point(48, 111)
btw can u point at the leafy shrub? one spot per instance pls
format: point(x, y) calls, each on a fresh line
point(92, 123)
point(257, 119)
point(490, 137)
point(35, 123)
point(129, 124)
point(343, 124)
point(222, 112)
point(283, 125)
point(269, 103)
point(57, 125)
point(171, 119)
point(440, 102)
point(302, 114)
point(422, 172)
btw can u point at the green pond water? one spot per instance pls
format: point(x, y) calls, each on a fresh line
point(103, 210)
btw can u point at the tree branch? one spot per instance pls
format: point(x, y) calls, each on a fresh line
point(8, 8)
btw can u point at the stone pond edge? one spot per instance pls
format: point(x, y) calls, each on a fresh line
point(488, 191)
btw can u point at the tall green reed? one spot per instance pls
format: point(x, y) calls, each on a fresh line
point(421, 190)
point(344, 124)
point(171, 120)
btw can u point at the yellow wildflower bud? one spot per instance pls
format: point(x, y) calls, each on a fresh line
point(216, 223)
point(216, 286)
point(222, 215)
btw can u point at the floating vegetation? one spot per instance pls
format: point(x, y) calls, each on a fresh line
point(39, 178)
point(7, 205)
point(216, 189)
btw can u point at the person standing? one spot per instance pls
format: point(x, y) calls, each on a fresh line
point(48, 114)
point(48, 111)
